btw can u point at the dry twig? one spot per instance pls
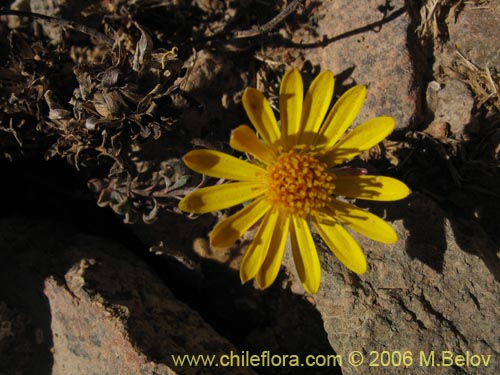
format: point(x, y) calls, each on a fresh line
point(60, 22)
point(259, 30)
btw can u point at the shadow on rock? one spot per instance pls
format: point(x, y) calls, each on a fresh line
point(275, 320)
point(21, 293)
point(431, 230)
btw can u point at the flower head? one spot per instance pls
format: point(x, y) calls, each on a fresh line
point(293, 181)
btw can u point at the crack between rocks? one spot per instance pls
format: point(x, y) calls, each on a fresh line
point(422, 60)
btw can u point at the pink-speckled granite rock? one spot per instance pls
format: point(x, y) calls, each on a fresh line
point(112, 316)
point(109, 313)
point(366, 43)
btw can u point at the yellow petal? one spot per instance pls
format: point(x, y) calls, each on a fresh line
point(257, 251)
point(271, 266)
point(362, 138)
point(261, 115)
point(291, 97)
point(221, 165)
point(218, 197)
point(316, 105)
point(305, 255)
point(363, 222)
point(375, 188)
point(341, 243)
point(244, 139)
point(229, 230)
point(341, 116)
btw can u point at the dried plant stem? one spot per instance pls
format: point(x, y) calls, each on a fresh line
point(481, 82)
point(428, 14)
point(431, 13)
point(259, 30)
point(61, 22)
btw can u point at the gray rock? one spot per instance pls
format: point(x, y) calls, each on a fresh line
point(451, 103)
point(475, 34)
point(471, 52)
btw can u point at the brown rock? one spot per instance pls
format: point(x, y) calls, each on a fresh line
point(112, 316)
point(109, 314)
point(438, 129)
point(437, 289)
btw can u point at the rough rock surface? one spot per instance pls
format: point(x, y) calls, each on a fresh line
point(474, 33)
point(437, 289)
point(109, 313)
point(367, 44)
point(463, 66)
point(451, 103)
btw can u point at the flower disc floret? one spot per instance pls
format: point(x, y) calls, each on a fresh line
point(297, 183)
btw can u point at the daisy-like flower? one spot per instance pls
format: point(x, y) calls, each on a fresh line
point(293, 181)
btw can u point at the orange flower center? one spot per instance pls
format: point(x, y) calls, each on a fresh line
point(298, 183)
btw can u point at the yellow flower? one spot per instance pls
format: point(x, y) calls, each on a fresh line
point(292, 183)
